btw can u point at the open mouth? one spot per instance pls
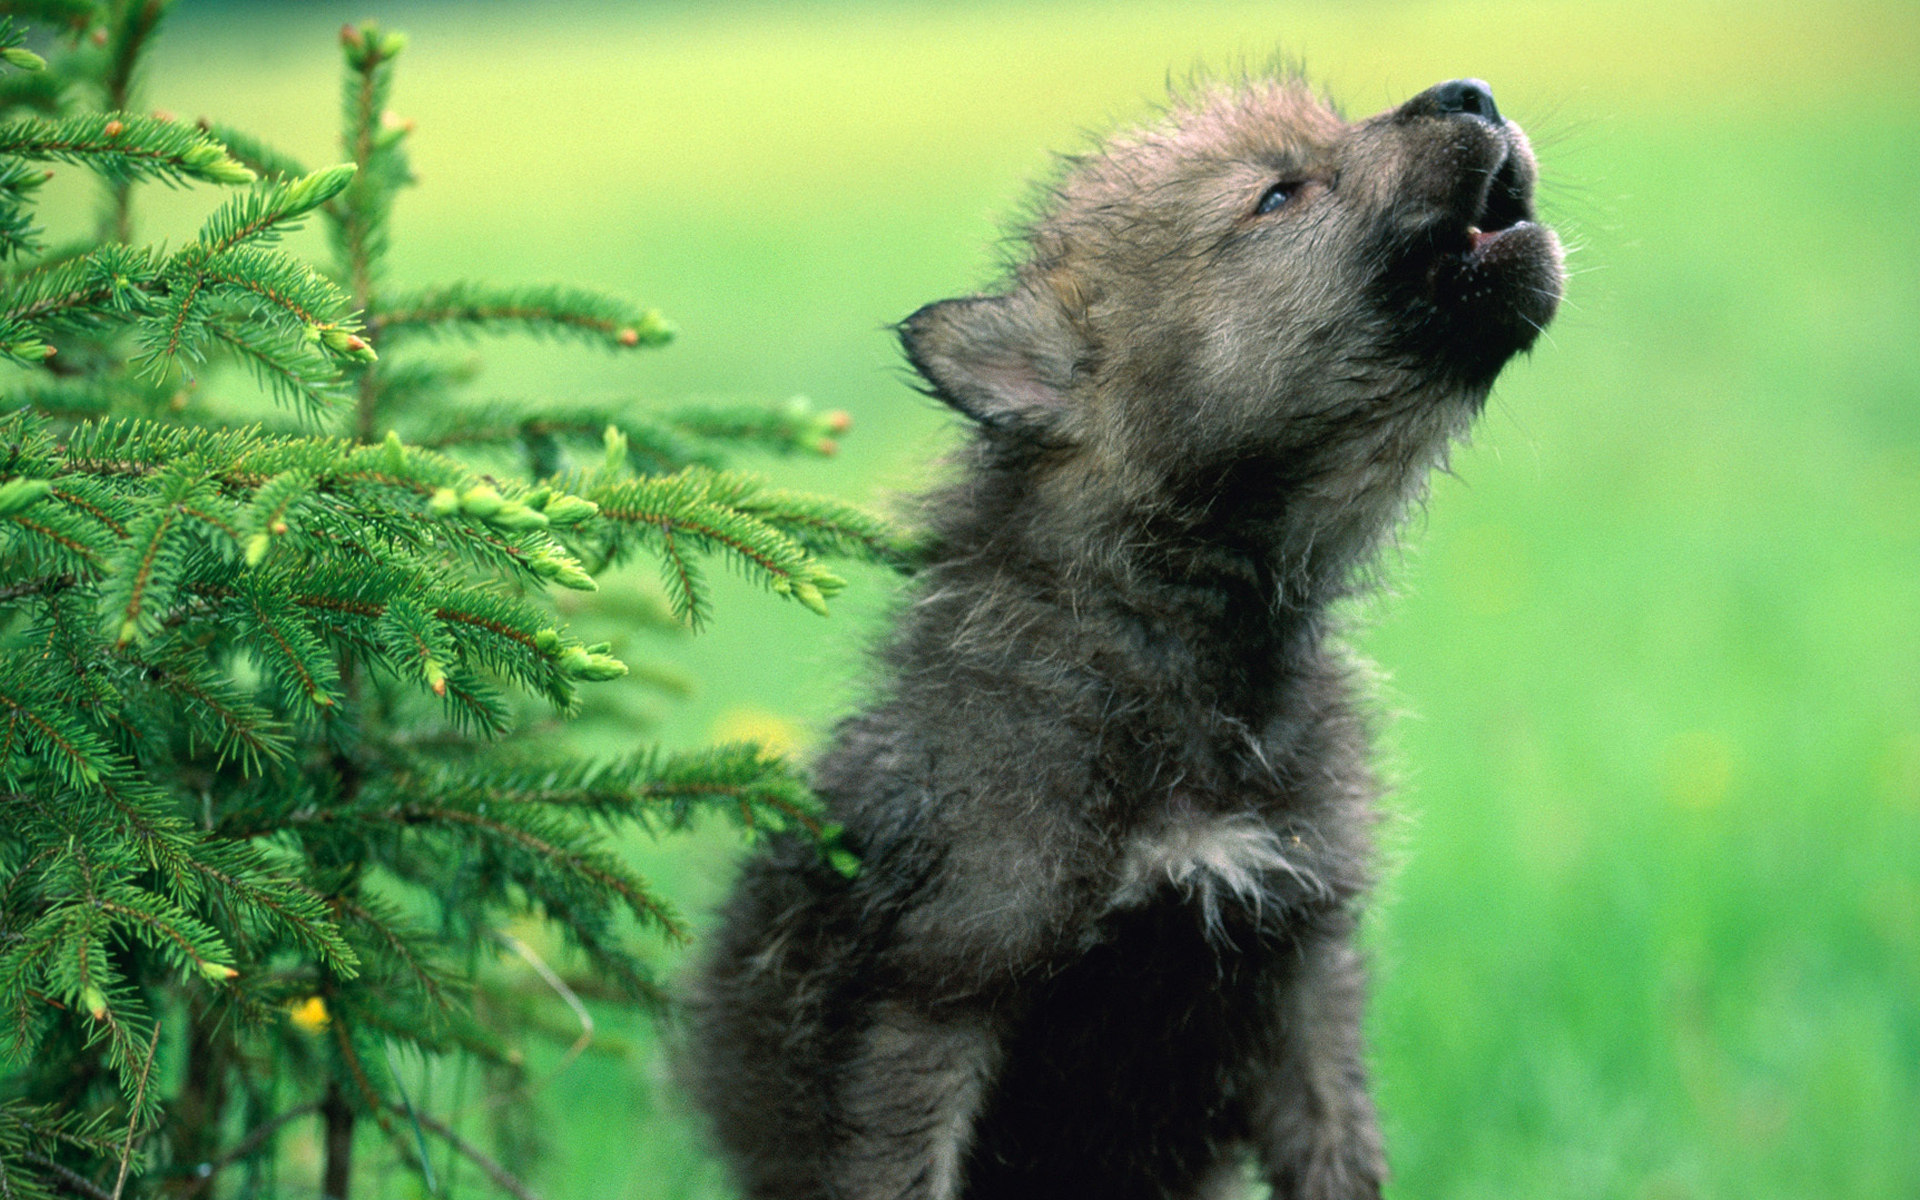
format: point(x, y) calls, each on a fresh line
point(1505, 205)
point(1492, 273)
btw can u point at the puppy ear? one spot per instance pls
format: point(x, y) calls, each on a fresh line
point(1006, 361)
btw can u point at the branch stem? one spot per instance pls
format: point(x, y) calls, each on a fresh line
point(337, 1177)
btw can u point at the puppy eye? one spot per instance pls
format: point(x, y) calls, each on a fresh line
point(1277, 196)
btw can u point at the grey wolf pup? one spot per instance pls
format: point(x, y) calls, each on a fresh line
point(1112, 795)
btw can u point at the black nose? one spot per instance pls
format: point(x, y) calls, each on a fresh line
point(1470, 96)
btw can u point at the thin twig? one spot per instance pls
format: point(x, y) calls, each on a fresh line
point(566, 993)
point(73, 1181)
point(501, 1178)
point(133, 1118)
point(419, 1139)
point(248, 1144)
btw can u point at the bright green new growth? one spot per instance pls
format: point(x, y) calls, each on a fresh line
point(265, 799)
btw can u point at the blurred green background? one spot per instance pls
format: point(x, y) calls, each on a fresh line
point(1651, 926)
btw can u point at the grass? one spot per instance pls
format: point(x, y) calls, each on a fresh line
point(1653, 925)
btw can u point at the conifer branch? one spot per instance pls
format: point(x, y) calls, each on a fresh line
point(265, 161)
point(72, 292)
point(243, 1149)
point(38, 91)
point(694, 510)
point(573, 860)
point(307, 380)
point(497, 1174)
point(265, 212)
point(135, 1111)
point(72, 1180)
point(130, 25)
point(124, 147)
point(231, 726)
point(408, 950)
point(551, 311)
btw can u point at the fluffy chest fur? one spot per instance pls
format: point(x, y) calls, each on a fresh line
point(1212, 861)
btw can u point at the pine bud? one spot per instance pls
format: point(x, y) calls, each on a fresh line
point(114, 128)
point(810, 596)
point(547, 640)
point(655, 329)
point(24, 58)
point(563, 571)
point(352, 345)
point(436, 677)
point(563, 509)
point(98, 37)
point(602, 667)
point(350, 37)
point(393, 453)
point(826, 447)
point(257, 547)
point(628, 337)
point(94, 1001)
point(218, 972)
point(839, 420)
point(213, 163)
point(581, 663)
point(444, 502)
point(517, 516)
point(20, 494)
point(537, 498)
point(616, 449)
point(311, 191)
point(481, 501)
point(571, 576)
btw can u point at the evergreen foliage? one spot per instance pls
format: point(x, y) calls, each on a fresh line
point(268, 794)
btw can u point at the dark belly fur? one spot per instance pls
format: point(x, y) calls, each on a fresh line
point(1126, 1076)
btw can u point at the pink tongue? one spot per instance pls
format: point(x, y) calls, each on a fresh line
point(1481, 237)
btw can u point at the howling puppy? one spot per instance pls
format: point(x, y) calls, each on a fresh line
point(1112, 798)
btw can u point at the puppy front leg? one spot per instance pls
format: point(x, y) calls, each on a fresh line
point(907, 1104)
point(1315, 1123)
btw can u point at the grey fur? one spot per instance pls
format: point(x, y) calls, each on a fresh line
point(1112, 797)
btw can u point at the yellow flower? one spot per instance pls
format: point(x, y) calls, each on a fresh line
point(309, 1014)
